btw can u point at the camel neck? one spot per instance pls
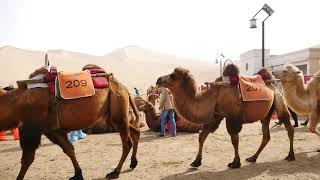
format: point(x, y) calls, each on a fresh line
point(299, 97)
point(196, 107)
point(151, 113)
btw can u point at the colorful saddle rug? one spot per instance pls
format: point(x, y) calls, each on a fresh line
point(253, 88)
point(98, 82)
point(75, 85)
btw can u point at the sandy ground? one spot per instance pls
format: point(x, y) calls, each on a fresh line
point(169, 158)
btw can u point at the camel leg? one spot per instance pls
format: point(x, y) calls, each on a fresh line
point(206, 129)
point(235, 142)
point(134, 135)
point(61, 139)
point(126, 146)
point(29, 142)
point(314, 119)
point(234, 126)
point(294, 117)
point(265, 136)
point(284, 116)
point(287, 124)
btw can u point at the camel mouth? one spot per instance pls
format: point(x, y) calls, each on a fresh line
point(276, 73)
point(159, 81)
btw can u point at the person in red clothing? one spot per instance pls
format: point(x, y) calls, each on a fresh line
point(14, 131)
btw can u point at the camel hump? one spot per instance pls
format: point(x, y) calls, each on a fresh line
point(42, 70)
point(91, 66)
point(265, 74)
point(231, 70)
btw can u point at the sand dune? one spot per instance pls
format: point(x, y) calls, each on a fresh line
point(134, 66)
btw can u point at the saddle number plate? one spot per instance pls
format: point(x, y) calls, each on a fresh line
point(75, 85)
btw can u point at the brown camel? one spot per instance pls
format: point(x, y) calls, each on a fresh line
point(301, 98)
point(35, 108)
point(211, 106)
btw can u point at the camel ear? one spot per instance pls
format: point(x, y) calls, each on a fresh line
point(186, 74)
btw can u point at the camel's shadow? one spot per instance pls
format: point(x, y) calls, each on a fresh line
point(149, 136)
point(18, 148)
point(306, 162)
point(300, 129)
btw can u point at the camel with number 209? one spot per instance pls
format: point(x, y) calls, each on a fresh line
point(35, 110)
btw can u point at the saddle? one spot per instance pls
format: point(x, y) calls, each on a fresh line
point(98, 81)
point(74, 85)
point(253, 88)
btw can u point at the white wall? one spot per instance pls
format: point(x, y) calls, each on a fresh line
point(254, 61)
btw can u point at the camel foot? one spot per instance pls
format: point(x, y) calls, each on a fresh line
point(278, 123)
point(290, 157)
point(304, 123)
point(133, 164)
point(251, 159)
point(234, 165)
point(196, 163)
point(113, 175)
point(77, 176)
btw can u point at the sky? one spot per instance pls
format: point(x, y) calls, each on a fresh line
point(199, 29)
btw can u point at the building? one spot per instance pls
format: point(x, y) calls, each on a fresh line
point(307, 60)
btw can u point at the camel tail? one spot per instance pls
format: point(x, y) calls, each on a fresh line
point(135, 111)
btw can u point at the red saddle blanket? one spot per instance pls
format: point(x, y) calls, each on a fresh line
point(98, 82)
point(253, 88)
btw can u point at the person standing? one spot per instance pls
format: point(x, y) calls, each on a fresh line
point(136, 91)
point(167, 110)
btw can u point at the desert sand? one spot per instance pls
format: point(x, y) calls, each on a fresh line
point(169, 158)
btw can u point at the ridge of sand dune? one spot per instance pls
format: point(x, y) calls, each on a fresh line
point(134, 66)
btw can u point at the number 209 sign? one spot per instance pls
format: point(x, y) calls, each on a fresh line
point(76, 85)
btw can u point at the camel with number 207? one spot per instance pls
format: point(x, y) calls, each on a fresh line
point(222, 101)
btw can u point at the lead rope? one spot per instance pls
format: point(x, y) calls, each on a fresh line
point(110, 79)
point(58, 102)
point(243, 117)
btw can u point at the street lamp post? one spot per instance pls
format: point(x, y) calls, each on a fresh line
point(221, 56)
point(220, 62)
point(253, 24)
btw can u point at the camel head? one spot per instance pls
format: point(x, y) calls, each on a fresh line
point(153, 97)
point(289, 73)
point(139, 101)
point(146, 107)
point(265, 74)
point(177, 80)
